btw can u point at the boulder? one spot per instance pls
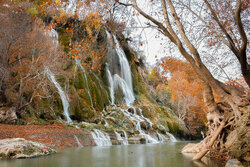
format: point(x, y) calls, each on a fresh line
point(192, 148)
point(8, 115)
point(233, 163)
point(21, 148)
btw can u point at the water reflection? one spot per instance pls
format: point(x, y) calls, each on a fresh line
point(154, 155)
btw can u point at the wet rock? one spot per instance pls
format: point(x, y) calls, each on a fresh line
point(135, 140)
point(162, 129)
point(192, 148)
point(131, 110)
point(144, 125)
point(233, 163)
point(111, 119)
point(114, 114)
point(8, 115)
point(87, 125)
point(20, 148)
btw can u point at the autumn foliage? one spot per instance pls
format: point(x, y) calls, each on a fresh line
point(186, 89)
point(26, 49)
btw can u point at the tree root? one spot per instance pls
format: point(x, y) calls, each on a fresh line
point(211, 142)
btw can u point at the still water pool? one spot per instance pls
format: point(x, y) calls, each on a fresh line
point(149, 155)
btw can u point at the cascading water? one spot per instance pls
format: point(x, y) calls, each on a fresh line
point(125, 68)
point(160, 138)
point(128, 94)
point(111, 85)
point(77, 141)
point(119, 138)
point(61, 93)
point(78, 63)
point(101, 138)
point(106, 123)
point(138, 119)
point(125, 141)
point(172, 138)
point(54, 35)
point(124, 82)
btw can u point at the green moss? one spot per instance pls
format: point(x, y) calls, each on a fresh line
point(29, 150)
point(32, 11)
point(2, 156)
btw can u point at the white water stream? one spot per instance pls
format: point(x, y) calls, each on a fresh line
point(78, 63)
point(124, 82)
point(101, 138)
point(172, 138)
point(119, 138)
point(61, 93)
point(77, 141)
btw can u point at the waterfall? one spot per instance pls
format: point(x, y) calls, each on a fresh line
point(128, 94)
point(148, 120)
point(61, 93)
point(125, 141)
point(77, 141)
point(138, 119)
point(119, 138)
point(106, 123)
point(160, 138)
point(172, 138)
point(125, 68)
point(111, 85)
point(125, 80)
point(101, 138)
point(78, 63)
point(148, 138)
point(54, 35)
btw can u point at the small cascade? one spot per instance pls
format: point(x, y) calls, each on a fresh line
point(138, 119)
point(54, 35)
point(77, 141)
point(61, 93)
point(172, 138)
point(118, 136)
point(78, 63)
point(106, 123)
point(148, 120)
point(161, 139)
point(125, 141)
point(148, 138)
point(101, 138)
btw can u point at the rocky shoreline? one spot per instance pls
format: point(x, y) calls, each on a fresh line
point(15, 148)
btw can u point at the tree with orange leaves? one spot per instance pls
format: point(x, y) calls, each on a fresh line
point(186, 90)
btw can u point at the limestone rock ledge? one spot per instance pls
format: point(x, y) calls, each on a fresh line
point(20, 148)
point(192, 148)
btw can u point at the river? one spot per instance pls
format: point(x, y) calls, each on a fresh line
point(149, 155)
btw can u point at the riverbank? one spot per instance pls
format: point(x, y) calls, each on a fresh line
point(58, 136)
